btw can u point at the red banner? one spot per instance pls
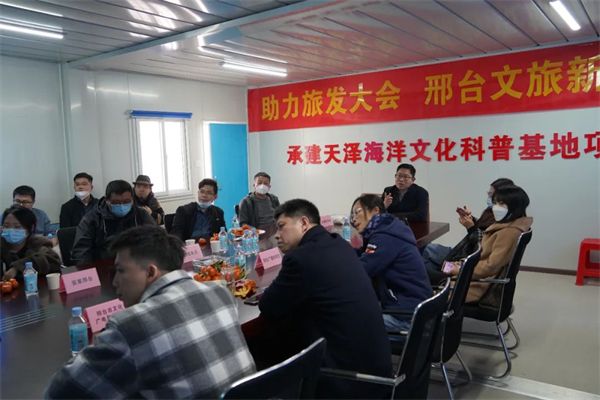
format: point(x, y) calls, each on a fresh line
point(547, 79)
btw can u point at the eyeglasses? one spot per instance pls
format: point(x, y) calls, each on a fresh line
point(23, 202)
point(403, 176)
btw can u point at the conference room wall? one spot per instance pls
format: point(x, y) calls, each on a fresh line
point(31, 132)
point(565, 194)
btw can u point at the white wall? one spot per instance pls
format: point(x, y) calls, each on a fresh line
point(36, 150)
point(31, 133)
point(565, 194)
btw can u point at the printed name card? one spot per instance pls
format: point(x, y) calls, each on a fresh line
point(327, 222)
point(192, 252)
point(80, 280)
point(97, 315)
point(269, 258)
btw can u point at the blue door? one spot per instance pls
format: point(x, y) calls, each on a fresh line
point(228, 147)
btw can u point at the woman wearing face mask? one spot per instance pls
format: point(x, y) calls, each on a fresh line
point(391, 258)
point(19, 245)
point(435, 254)
point(499, 239)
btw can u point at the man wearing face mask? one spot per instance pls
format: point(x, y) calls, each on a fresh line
point(83, 202)
point(114, 214)
point(201, 219)
point(257, 208)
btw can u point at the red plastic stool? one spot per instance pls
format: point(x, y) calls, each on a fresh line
point(586, 268)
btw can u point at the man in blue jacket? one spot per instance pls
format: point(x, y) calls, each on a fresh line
point(324, 290)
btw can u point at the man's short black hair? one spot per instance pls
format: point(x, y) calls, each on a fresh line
point(24, 190)
point(299, 208)
point(263, 174)
point(148, 243)
point(83, 175)
point(25, 216)
point(409, 167)
point(208, 182)
point(118, 187)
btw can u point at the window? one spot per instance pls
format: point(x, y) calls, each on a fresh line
point(161, 150)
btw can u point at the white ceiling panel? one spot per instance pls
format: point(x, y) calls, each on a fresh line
point(309, 39)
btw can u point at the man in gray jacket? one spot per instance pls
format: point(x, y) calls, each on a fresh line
point(257, 209)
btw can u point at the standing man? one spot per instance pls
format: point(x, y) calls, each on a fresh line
point(323, 290)
point(144, 197)
point(73, 210)
point(257, 209)
point(406, 199)
point(176, 339)
point(114, 214)
point(24, 196)
point(202, 218)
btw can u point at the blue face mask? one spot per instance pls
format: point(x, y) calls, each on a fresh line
point(14, 235)
point(120, 210)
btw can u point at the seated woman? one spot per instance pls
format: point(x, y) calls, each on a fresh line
point(391, 258)
point(499, 239)
point(18, 245)
point(435, 254)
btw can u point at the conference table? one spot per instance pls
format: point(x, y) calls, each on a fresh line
point(34, 338)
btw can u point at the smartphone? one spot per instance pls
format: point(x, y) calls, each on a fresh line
point(461, 211)
point(448, 267)
point(253, 300)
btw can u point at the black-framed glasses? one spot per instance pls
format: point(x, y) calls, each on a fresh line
point(403, 176)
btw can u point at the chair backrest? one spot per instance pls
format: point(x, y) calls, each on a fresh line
point(294, 378)
point(422, 337)
point(452, 329)
point(508, 290)
point(169, 222)
point(66, 237)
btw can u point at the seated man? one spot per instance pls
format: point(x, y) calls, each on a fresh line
point(406, 199)
point(114, 214)
point(73, 210)
point(324, 291)
point(257, 209)
point(176, 339)
point(143, 197)
point(201, 219)
point(24, 196)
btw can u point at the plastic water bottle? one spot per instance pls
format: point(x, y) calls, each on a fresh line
point(346, 230)
point(223, 240)
point(235, 222)
point(255, 244)
point(78, 331)
point(247, 242)
point(240, 256)
point(30, 276)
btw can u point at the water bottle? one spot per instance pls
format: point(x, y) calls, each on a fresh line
point(223, 240)
point(30, 277)
point(240, 257)
point(235, 222)
point(247, 242)
point(255, 244)
point(78, 331)
point(346, 230)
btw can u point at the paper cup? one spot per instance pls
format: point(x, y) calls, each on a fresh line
point(215, 246)
point(53, 281)
point(190, 242)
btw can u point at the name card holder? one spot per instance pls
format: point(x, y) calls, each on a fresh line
point(269, 258)
point(97, 316)
point(192, 252)
point(327, 222)
point(79, 280)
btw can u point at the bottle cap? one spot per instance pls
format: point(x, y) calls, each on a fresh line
point(76, 311)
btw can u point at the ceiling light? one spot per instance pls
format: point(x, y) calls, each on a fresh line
point(560, 8)
point(171, 46)
point(254, 69)
point(4, 3)
point(30, 31)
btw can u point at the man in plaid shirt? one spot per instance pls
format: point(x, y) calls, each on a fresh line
point(177, 338)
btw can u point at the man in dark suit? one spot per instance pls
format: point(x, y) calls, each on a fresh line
point(199, 219)
point(324, 290)
point(406, 199)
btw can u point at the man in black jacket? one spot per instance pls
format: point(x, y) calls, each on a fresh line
point(115, 213)
point(144, 197)
point(324, 290)
point(406, 199)
point(73, 210)
point(199, 219)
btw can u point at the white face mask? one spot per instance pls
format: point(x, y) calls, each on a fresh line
point(82, 195)
point(262, 189)
point(204, 204)
point(499, 212)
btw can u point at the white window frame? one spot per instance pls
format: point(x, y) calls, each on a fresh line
point(137, 159)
